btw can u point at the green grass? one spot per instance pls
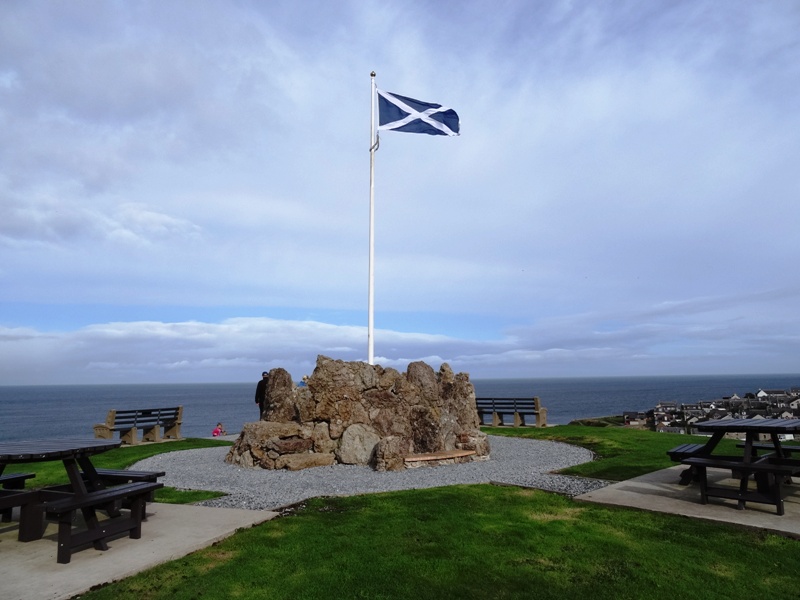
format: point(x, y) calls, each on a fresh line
point(484, 541)
point(52, 472)
point(479, 542)
point(622, 453)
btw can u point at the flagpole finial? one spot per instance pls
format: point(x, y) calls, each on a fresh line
point(372, 74)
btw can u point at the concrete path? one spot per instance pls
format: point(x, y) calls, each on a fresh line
point(29, 571)
point(660, 492)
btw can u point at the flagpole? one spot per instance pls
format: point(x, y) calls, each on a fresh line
point(373, 146)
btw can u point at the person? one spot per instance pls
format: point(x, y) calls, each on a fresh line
point(261, 392)
point(219, 430)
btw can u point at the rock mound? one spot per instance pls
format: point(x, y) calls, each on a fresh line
point(361, 414)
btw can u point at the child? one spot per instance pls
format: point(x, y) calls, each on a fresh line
point(219, 430)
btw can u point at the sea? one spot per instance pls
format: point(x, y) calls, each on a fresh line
point(70, 411)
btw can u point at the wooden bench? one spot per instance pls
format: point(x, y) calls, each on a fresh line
point(769, 478)
point(12, 481)
point(678, 453)
point(110, 477)
point(514, 407)
point(98, 532)
point(435, 458)
point(787, 450)
point(149, 420)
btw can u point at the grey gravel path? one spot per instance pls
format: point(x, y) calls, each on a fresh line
point(514, 461)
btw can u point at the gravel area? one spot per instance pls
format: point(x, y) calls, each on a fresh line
point(514, 461)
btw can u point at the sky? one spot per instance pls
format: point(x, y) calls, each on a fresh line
point(184, 188)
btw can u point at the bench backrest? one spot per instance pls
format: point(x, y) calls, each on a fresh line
point(519, 405)
point(145, 417)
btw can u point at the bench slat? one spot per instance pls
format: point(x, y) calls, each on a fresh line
point(99, 497)
point(15, 481)
point(678, 453)
point(741, 466)
point(12, 481)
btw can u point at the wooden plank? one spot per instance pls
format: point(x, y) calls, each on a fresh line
point(443, 455)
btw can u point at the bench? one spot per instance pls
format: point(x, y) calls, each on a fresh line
point(437, 458)
point(12, 481)
point(678, 453)
point(110, 477)
point(98, 532)
point(787, 450)
point(149, 420)
point(515, 407)
point(769, 479)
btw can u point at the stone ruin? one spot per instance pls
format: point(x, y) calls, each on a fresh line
point(360, 414)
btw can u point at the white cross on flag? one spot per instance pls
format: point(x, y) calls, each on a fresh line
point(399, 113)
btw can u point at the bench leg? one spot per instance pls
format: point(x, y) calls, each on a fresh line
point(702, 474)
point(31, 522)
point(519, 420)
point(103, 432)
point(130, 437)
point(687, 476)
point(64, 539)
point(152, 434)
point(139, 514)
point(173, 433)
point(497, 420)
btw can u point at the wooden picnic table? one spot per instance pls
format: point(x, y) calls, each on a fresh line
point(86, 491)
point(770, 470)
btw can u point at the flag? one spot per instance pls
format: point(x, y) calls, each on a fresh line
point(398, 113)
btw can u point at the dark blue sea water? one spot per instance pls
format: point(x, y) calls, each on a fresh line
point(71, 410)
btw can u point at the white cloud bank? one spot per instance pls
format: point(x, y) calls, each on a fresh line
point(183, 190)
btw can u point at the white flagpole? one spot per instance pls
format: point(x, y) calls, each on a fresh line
point(373, 146)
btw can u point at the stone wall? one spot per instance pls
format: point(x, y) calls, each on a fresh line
point(361, 414)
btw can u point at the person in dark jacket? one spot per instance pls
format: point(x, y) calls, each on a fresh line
point(261, 393)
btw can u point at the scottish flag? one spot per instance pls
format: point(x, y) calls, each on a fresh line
point(398, 113)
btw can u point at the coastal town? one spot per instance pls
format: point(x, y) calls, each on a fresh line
point(674, 417)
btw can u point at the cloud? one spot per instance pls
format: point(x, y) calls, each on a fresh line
point(621, 199)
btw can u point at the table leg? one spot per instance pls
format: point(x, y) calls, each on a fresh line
point(94, 481)
point(712, 443)
point(747, 459)
point(79, 488)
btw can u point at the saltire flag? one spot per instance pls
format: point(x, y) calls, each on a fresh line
point(399, 113)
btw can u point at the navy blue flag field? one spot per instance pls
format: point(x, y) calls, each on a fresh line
point(399, 113)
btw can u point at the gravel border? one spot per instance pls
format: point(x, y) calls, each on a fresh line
point(514, 461)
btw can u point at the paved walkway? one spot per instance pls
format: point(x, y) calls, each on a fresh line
point(29, 571)
point(660, 492)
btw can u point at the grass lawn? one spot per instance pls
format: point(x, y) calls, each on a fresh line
point(484, 541)
point(622, 453)
point(478, 541)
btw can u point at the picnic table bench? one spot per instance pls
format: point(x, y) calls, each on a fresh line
point(786, 450)
point(97, 532)
point(771, 470)
point(769, 476)
point(15, 482)
point(149, 420)
point(678, 453)
point(517, 408)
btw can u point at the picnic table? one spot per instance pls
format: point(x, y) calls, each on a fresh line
point(770, 469)
point(86, 491)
